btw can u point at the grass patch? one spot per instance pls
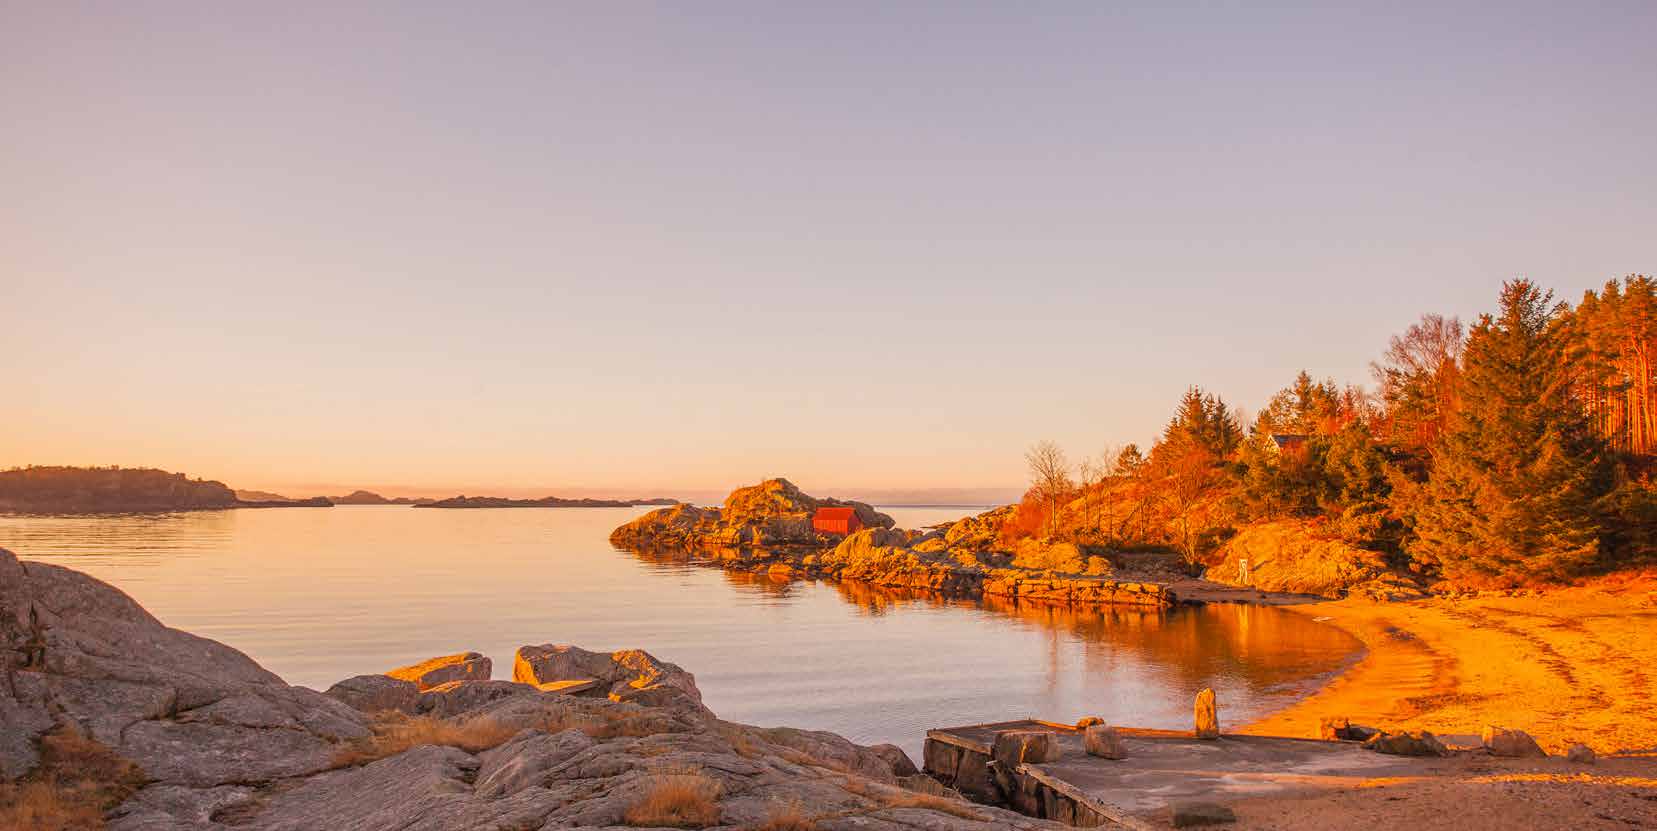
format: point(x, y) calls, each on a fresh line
point(677, 800)
point(628, 726)
point(395, 732)
point(790, 818)
point(78, 781)
point(891, 796)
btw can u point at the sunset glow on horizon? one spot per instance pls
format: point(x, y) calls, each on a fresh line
point(655, 251)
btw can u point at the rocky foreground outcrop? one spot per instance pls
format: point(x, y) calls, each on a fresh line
point(767, 527)
point(581, 740)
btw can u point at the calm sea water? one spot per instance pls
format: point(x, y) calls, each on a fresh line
point(317, 595)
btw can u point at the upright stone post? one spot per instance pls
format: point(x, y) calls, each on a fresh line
point(1207, 715)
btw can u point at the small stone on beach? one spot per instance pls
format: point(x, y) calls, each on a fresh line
point(1415, 743)
point(1511, 743)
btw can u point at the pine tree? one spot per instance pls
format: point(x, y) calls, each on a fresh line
point(1204, 421)
point(1515, 483)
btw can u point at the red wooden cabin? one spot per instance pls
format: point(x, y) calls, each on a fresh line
point(836, 521)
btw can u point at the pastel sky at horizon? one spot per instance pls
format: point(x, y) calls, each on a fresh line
point(623, 247)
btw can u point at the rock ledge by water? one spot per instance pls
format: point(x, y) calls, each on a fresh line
point(767, 527)
point(223, 743)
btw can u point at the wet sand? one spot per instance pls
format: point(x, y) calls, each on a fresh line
point(1566, 665)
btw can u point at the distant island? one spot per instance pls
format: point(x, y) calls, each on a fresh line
point(256, 499)
point(310, 502)
point(544, 502)
point(361, 497)
point(62, 489)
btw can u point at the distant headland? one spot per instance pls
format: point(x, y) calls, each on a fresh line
point(90, 490)
point(63, 489)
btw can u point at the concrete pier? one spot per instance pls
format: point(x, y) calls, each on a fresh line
point(1162, 769)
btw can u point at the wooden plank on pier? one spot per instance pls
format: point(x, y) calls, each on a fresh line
point(958, 741)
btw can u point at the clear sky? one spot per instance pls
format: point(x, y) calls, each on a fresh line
point(668, 248)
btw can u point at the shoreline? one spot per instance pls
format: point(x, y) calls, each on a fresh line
point(1566, 665)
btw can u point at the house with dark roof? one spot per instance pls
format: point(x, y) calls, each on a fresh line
point(1289, 442)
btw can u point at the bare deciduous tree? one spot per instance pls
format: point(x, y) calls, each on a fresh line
point(1088, 474)
point(1109, 467)
point(1049, 477)
point(1420, 377)
point(1188, 478)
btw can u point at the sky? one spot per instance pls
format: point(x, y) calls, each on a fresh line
point(631, 248)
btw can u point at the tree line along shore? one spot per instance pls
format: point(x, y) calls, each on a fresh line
point(1518, 451)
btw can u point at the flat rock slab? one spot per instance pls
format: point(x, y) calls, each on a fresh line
point(569, 686)
point(1164, 767)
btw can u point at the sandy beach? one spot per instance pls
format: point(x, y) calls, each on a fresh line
point(1566, 665)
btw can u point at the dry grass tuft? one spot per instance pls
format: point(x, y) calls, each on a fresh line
point(679, 800)
point(395, 733)
point(790, 818)
point(942, 805)
point(77, 782)
point(745, 745)
point(890, 796)
point(44, 806)
point(626, 726)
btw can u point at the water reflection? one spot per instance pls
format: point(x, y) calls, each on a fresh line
point(1265, 647)
point(321, 594)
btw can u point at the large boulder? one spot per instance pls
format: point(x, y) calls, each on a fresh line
point(464, 666)
point(186, 709)
point(981, 532)
point(1295, 556)
point(774, 513)
point(882, 556)
point(627, 675)
point(780, 498)
point(680, 525)
point(1062, 557)
point(377, 693)
point(459, 697)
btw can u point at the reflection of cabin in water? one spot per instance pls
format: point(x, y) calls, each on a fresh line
point(836, 521)
point(1289, 443)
